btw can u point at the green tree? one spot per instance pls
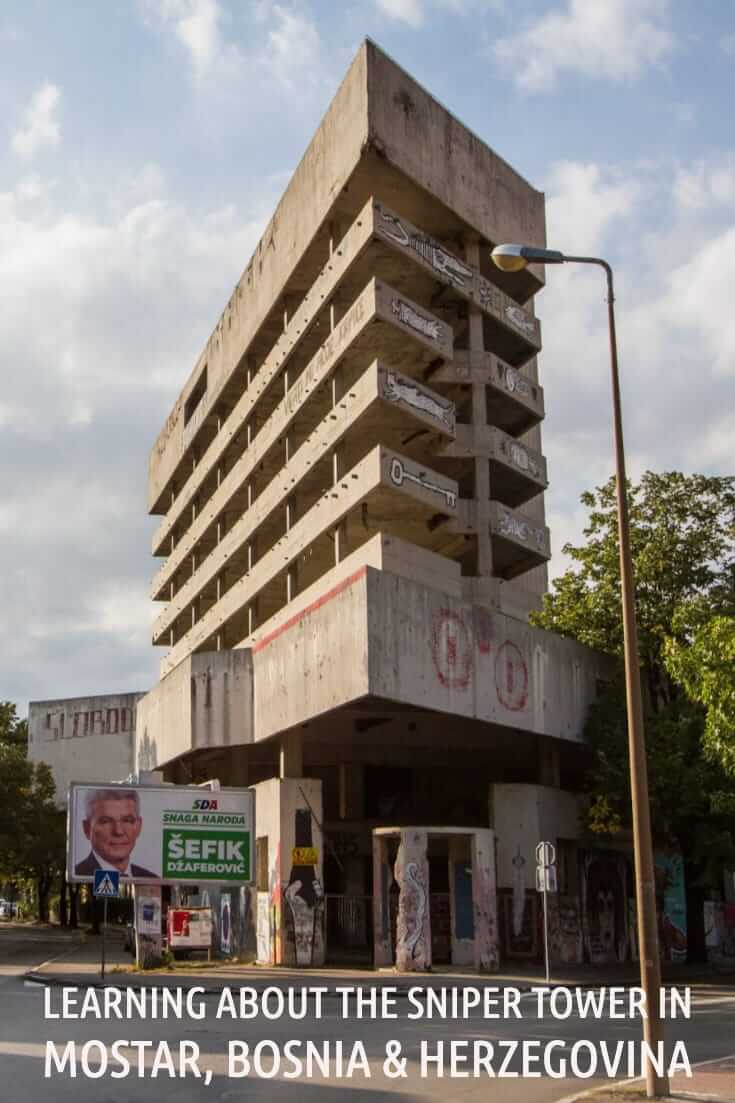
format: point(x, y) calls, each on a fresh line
point(682, 540)
point(705, 666)
point(12, 729)
point(32, 829)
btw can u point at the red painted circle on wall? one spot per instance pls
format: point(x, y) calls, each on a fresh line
point(511, 677)
point(451, 650)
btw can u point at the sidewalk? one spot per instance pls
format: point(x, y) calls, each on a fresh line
point(78, 964)
point(711, 1082)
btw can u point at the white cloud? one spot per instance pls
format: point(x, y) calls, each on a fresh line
point(584, 200)
point(706, 183)
point(404, 11)
point(414, 12)
point(612, 39)
point(196, 25)
point(106, 305)
point(292, 51)
point(40, 126)
point(674, 262)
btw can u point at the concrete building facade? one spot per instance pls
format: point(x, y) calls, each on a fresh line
point(352, 534)
point(84, 738)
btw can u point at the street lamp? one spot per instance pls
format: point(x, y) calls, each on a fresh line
point(513, 258)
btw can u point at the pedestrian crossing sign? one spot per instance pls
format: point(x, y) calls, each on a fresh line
point(106, 883)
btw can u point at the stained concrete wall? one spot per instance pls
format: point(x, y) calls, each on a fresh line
point(83, 738)
point(291, 911)
point(425, 144)
point(384, 635)
point(525, 815)
point(206, 701)
point(315, 661)
point(434, 651)
point(317, 182)
point(434, 149)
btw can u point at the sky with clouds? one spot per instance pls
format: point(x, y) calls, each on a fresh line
point(143, 146)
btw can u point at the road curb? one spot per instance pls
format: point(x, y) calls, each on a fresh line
point(619, 1085)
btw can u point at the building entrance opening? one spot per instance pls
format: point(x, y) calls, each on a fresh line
point(434, 898)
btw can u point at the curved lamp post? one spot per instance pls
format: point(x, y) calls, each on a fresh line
point(513, 258)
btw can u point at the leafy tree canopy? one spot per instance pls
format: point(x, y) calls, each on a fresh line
point(32, 828)
point(683, 547)
point(12, 729)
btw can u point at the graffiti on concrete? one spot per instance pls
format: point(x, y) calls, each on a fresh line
point(452, 644)
point(513, 381)
point(114, 721)
point(400, 474)
point(454, 270)
point(517, 529)
point(409, 316)
point(511, 677)
point(519, 893)
point(451, 650)
point(483, 628)
point(520, 457)
point(569, 938)
point(397, 390)
point(413, 949)
point(263, 929)
point(671, 906)
point(520, 320)
point(412, 937)
point(304, 895)
point(604, 908)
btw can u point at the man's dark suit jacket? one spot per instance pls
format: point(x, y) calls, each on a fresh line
point(89, 865)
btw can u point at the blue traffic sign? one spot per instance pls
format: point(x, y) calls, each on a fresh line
point(106, 883)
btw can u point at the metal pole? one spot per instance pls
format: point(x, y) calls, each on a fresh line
point(645, 879)
point(104, 933)
point(546, 925)
point(642, 839)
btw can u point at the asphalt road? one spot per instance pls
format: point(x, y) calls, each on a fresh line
point(24, 1031)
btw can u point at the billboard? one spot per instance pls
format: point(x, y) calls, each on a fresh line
point(166, 834)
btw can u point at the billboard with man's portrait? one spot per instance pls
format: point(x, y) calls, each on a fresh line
point(160, 834)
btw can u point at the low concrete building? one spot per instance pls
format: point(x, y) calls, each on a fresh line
point(84, 738)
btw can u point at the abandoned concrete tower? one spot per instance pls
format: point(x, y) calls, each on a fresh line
point(352, 534)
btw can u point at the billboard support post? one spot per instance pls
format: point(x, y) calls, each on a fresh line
point(104, 936)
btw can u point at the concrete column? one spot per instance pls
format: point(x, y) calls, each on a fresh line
point(382, 877)
point(479, 420)
point(413, 933)
point(290, 913)
point(485, 902)
point(291, 755)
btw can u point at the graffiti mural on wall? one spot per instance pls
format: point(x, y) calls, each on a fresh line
point(604, 907)
point(400, 474)
point(671, 906)
point(413, 933)
point(570, 950)
point(303, 895)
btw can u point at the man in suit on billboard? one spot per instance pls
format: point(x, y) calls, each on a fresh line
point(112, 824)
